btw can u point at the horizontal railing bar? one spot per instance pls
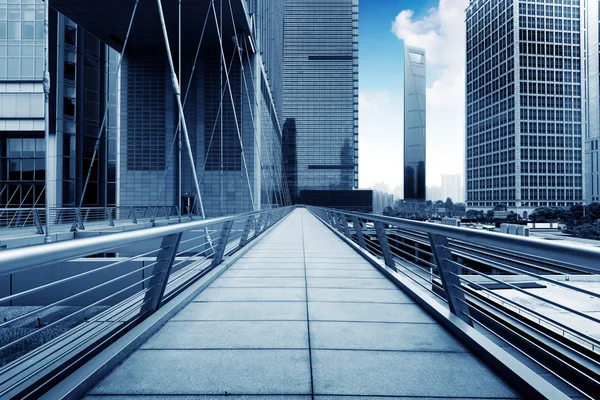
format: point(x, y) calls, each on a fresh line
point(535, 296)
point(590, 340)
point(519, 271)
point(20, 259)
point(73, 296)
point(2, 348)
point(580, 256)
point(73, 277)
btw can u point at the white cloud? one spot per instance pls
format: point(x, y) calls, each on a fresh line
point(442, 33)
point(380, 138)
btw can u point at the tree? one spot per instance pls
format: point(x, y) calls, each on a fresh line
point(587, 231)
point(546, 214)
point(390, 212)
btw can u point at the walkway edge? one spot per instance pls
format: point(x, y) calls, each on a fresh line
point(517, 374)
point(80, 382)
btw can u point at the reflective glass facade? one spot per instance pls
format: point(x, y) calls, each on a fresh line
point(320, 96)
point(592, 139)
point(525, 117)
point(415, 142)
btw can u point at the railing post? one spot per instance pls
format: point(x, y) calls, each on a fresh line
point(384, 244)
point(220, 251)
point(344, 221)
point(449, 275)
point(79, 219)
point(258, 229)
point(244, 238)
point(359, 234)
point(38, 222)
point(109, 217)
point(339, 223)
point(161, 273)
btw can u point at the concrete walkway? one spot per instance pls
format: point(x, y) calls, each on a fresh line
point(302, 316)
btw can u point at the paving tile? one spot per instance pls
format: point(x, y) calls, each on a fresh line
point(382, 336)
point(230, 335)
point(210, 372)
point(258, 282)
point(331, 266)
point(401, 398)
point(358, 295)
point(266, 265)
point(232, 311)
point(196, 397)
point(351, 283)
point(341, 260)
point(375, 373)
point(264, 273)
point(368, 312)
point(342, 273)
point(252, 294)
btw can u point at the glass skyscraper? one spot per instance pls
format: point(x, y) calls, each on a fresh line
point(415, 142)
point(79, 72)
point(525, 114)
point(320, 96)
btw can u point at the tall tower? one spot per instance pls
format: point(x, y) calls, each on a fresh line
point(525, 117)
point(320, 101)
point(414, 123)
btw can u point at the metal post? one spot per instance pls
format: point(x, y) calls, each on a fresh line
point(258, 230)
point(46, 84)
point(79, 219)
point(359, 233)
point(132, 214)
point(38, 221)
point(448, 274)
point(244, 238)
point(345, 226)
point(339, 223)
point(161, 273)
point(179, 126)
point(111, 222)
point(220, 251)
point(384, 244)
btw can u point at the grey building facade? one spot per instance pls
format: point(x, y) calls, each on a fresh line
point(592, 133)
point(415, 140)
point(320, 96)
point(526, 101)
point(233, 104)
point(78, 65)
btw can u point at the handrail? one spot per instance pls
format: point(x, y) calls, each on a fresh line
point(21, 259)
point(143, 269)
point(584, 258)
point(469, 270)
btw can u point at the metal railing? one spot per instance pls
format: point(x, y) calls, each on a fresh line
point(526, 293)
point(69, 300)
point(73, 218)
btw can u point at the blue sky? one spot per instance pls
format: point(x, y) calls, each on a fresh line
point(384, 26)
point(381, 57)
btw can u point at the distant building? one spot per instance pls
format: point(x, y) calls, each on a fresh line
point(527, 102)
point(414, 123)
point(320, 96)
point(452, 187)
point(434, 193)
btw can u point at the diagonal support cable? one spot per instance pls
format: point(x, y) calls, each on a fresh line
point(233, 106)
point(177, 90)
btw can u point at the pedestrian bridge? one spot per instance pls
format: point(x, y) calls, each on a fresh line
point(304, 310)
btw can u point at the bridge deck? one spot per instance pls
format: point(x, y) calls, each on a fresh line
point(302, 316)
